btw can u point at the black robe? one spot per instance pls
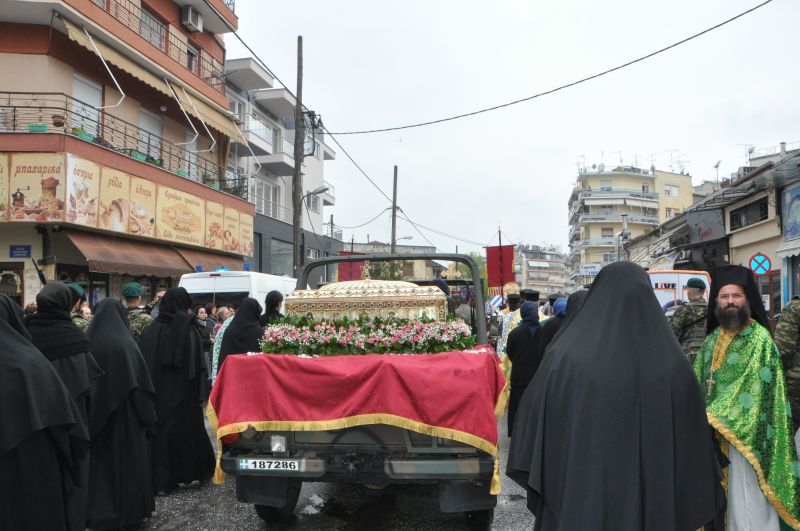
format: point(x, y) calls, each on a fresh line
point(123, 424)
point(612, 431)
point(37, 453)
point(69, 350)
point(524, 358)
point(244, 334)
point(173, 352)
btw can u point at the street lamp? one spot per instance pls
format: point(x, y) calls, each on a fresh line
point(624, 236)
point(297, 230)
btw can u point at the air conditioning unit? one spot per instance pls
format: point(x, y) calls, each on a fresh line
point(685, 254)
point(191, 19)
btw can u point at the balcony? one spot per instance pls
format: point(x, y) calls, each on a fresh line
point(277, 101)
point(219, 16)
point(336, 234)
point(52, 112)
point(159, 36)
point(598, 242)
point(611, 217)
point(281, 161)
point(258, 132)
point(329, 196)
point(618, 193)
point(272, 210)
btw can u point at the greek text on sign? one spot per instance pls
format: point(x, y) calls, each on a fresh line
point(760, 264)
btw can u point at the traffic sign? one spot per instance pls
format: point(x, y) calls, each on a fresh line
point(760, 264)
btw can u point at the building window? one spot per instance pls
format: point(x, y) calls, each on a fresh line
point(749, 214)
point(671, 190)
point(101, 3)
point(268, 199)
point(281, 254)
point(312, 253)
point(153, 30)
point(645, 188)
point(192, 58)
point(149, 133)
point(607, 232)
point(312, 203)
point(608, 257)
point(605, 186)
point(669, 213)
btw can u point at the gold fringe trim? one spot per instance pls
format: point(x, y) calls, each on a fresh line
point(731, 437)
point(502, 401)
point(350, 422)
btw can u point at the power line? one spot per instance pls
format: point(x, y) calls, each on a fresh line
point(562, 87)
point(357, 166)
point(446, 235)
point(417, 229)
point(382, 212)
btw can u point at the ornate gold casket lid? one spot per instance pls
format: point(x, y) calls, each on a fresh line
point(368, 298)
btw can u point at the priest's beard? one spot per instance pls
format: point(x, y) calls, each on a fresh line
point(732, 318)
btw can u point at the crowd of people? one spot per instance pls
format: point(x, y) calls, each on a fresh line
point(101, 413)
point(624, 421)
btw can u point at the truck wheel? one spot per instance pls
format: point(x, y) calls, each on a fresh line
point(278, 514)
point(480, 520)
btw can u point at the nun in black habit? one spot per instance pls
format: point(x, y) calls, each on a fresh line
point(55, 335)
point(611, 433)
point(37, 414)
point(244, 334)
point(173, 351)
point(521, 350)
point(122, 426)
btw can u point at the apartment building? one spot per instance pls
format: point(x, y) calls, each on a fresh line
point(608, 207)
point(543, 269)
point(114, 144)
point(265, 150)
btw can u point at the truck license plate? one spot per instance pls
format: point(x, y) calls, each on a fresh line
point(269, 464)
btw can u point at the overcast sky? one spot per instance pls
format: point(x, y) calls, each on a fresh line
point(375, 64)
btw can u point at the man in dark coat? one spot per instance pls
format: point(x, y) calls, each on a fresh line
point(173, 351)
point(69, 351)
point(522, 353)
point(244, 334)
point(612, 433)
point(123, 424)
point(37, 415)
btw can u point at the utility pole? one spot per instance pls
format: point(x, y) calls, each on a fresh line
point(394, 212)
point(297, 180)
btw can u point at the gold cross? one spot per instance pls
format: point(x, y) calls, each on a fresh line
point(710, 384)
point(452, 271)
point(365, 271)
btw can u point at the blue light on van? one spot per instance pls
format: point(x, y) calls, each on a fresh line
point(246, 266)
point(222, 269)
point(198, 269)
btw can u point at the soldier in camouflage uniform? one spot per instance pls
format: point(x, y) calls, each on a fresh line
point(138, 318)
point(689, 321)
point(77, 314)
point(787, 337)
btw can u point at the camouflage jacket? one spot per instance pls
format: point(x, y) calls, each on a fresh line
point(138, 320)
point(689, 325)
point(80, 321)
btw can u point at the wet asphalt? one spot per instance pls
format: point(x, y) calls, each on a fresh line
point(324, 506)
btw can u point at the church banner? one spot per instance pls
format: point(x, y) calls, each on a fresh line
point(142, 221)
point(215, 223)
point(180, 217)
point(83, 190)
point(500, 265)
point(37, 186)
point(4, 197)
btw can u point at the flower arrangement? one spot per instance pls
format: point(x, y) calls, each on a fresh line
point(362, 336)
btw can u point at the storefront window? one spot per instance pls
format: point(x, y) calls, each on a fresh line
point(280, 257)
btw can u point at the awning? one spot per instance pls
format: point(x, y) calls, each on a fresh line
point(109, 254)
point(641, 203)
point(214, 118)
point(788, 249)
point(599, 201)
point(210, 261)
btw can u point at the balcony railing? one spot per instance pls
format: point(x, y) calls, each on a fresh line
point(597, 242)
point(265, 207)
point(618, 191)
point(617, 218)
point(58, 113)
point(331, 191)
point(259, 127)
point(336, 234)
point(231, 4)
point(157, 33)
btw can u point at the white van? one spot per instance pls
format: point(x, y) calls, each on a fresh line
point(229, 288)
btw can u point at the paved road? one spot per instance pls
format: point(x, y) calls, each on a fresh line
point(336, 507)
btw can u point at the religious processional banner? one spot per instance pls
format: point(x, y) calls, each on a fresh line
point(454, 395)
point(499, 265)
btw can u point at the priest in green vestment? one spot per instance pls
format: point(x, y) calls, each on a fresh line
point(740, 375)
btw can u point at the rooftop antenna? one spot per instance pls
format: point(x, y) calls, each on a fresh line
point(716, 167)
point(671, 156)
point(620, 157)
point(748, 150)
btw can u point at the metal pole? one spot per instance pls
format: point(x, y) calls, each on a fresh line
point(394, 212)
point(297, 181)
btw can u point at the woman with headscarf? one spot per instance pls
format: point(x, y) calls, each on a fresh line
point(272, 310)
point(69, 351)
point(612, 432)
point(552, 325)
point(244, 333)
point(521, 349)
point(37, 414)
point(122, 426)
point(204, 326)
point(173, 351)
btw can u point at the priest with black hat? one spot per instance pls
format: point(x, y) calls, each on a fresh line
point(740, 375)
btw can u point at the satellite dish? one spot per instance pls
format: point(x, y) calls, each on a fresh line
point(601, 167)
point(594, 166)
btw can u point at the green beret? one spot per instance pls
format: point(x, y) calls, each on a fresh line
point(132, 290)
point(695, 282)
point(77, 289)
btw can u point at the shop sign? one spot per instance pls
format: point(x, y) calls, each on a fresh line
point(36, 187)
point(4, 197)
point(246, 231)
point(590, 270)
point(180, 217)
point(19, 251)
point(83, 190)
point(114, 200)
point(215, 223)
point(791, 212)
point(231, 235)
point(142, 215)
